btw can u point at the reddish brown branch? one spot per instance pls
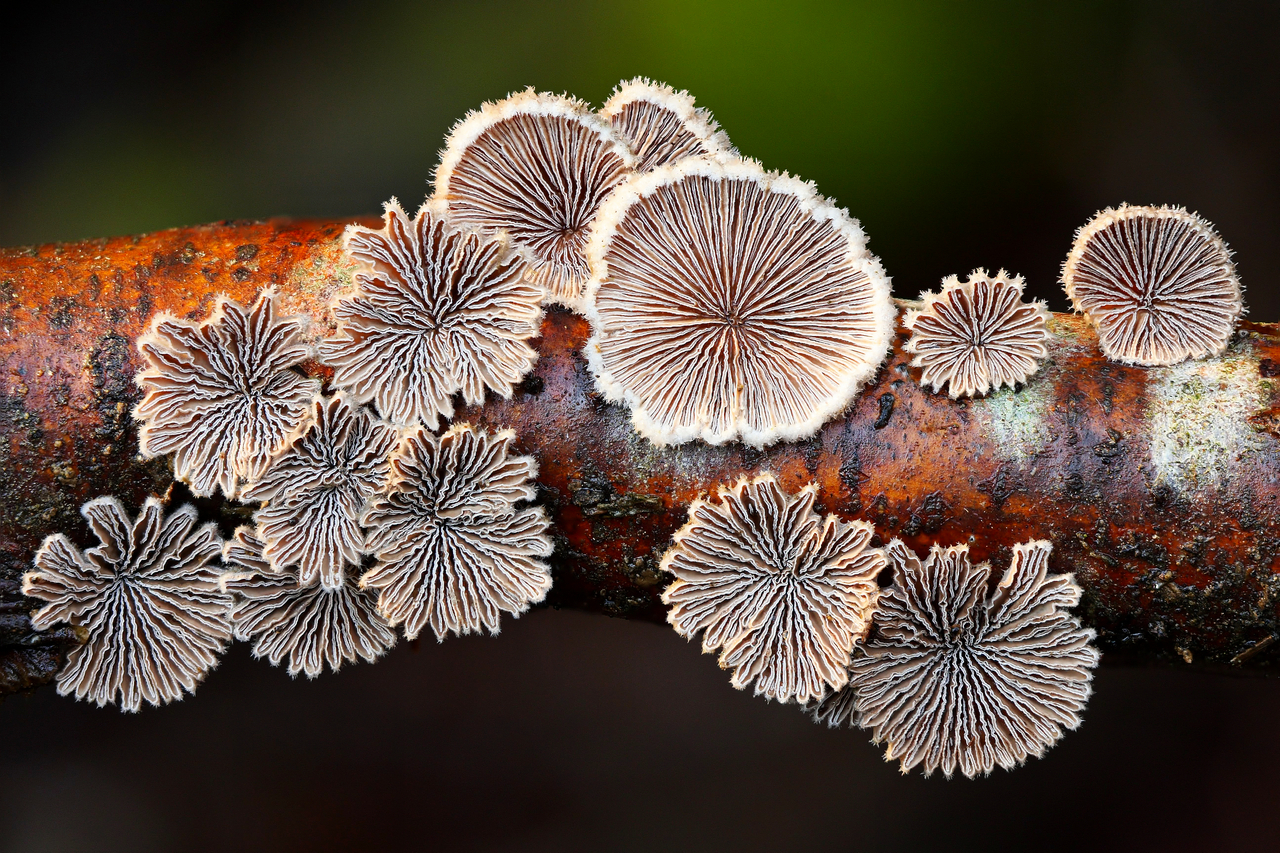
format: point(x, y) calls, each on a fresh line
point(1158, 487)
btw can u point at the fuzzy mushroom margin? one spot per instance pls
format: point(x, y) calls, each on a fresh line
point(657, 307)
point(661, 125)
point(546, 197)
point(782, 593)
point(1158, 284)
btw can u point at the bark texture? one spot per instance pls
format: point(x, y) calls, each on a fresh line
point(1158, 487)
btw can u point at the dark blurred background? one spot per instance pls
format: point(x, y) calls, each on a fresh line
point(962, 135)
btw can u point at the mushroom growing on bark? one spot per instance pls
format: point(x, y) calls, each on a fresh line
point(147, 598)
point(977, 335)
point(308, 625)
point(222, 396)
point(317, 488)
point(453, 548)
point(535, 166)
point(727, 302)
point(661, 125)
point(782, 593)
point(1157, 283)
point(437, 310)
point(958, 678)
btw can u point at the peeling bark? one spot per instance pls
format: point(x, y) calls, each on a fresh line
point(1157, 486)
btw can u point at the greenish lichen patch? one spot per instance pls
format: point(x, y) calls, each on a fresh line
point(1198, 419)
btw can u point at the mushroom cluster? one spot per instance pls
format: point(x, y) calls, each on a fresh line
point(727, 304)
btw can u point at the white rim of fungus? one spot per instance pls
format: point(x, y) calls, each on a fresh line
point(316, 489)
point(696, 120)
point(151, 564)
point(310, 625)
point(456, 553)
point(1018, 359)
point(882, 319)
point(957, 675)
point(526, 103)
point(206, 469)
point(1211, 341)
point(781, 592)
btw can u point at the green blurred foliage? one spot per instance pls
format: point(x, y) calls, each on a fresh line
point(961, 134)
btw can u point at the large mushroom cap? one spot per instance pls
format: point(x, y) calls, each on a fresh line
point(1157, 282)
point(661, 125)
point(728, 302)
point(536, 166)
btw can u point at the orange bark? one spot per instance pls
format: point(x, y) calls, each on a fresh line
point(1157, 487)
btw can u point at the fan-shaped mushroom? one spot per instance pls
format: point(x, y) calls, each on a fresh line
point(437, 310)
point(147, 596)
point(661, 125)
point(727, 302)
point(782, 593)
point(956, 678)
point(536, 166)
point(222, 396)
point(977, 335)
point(287, 619)
point(317, 488)
point(1157, 282)
point(453, 550)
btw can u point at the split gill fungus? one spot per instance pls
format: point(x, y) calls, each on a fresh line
point(735, 409)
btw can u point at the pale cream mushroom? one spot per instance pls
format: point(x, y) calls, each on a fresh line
point(661, 125)
point(956, 678)
point(727, 302)
point(302, 626)
point(222, 396)
point(1157, 283)
point(317, 488)
point(977, 335)
point(782, 593)
point(146, 596)
point(436, 311)
point(535, 166)
point(453, 550)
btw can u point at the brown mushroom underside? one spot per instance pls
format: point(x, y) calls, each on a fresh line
point(1157, 486)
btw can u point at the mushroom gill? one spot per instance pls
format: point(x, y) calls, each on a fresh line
point(661, 125)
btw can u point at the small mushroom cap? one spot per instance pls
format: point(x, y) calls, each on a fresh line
point(437, 310)
point(727, 302)
point(452, 548)
point(954, 677)
point(535, 166)
point(977, 335)
point(782, 593)
point(222, 395)
point(1157, 283)
point(317, 488)
point(148, 597)
point(661, 125)
point(306, 625)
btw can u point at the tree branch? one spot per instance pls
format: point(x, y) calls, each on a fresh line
point(1157, 487)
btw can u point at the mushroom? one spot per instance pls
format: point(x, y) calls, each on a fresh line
point(437, 310)
point(956, 678)
point(222, 396)
point(978, 335)
point(731, 303)
point(1157, 283)
point(317, 488)
point(307, 624)
point(536, 166)
point(661, 125)
point(146, 598)
point(452, 548)
point(781, 592)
